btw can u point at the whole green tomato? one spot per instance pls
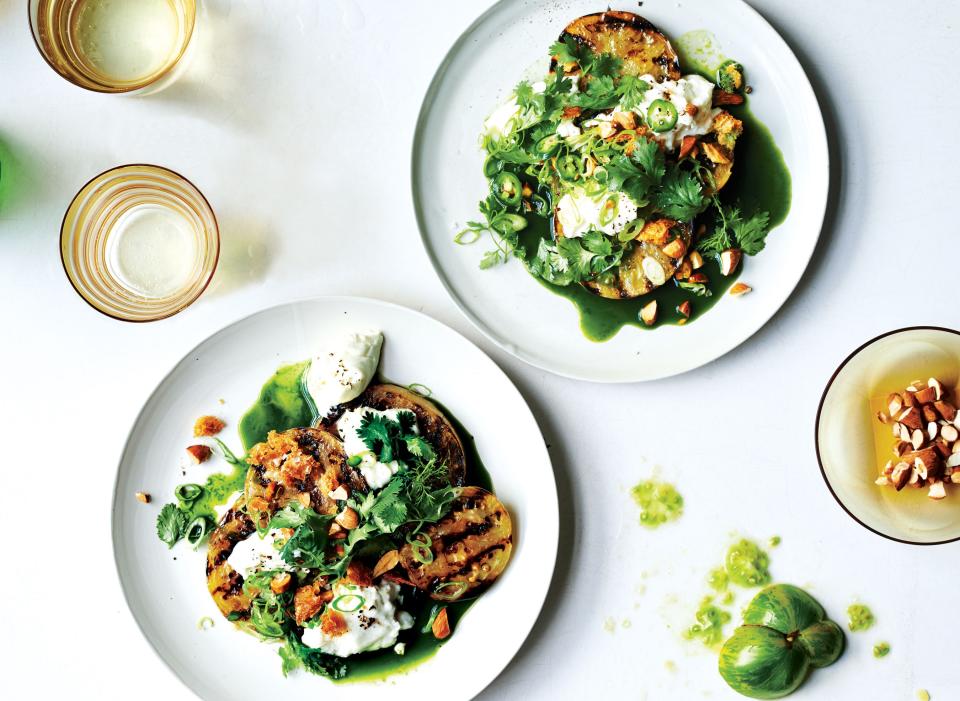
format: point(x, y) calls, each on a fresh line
point(785, 634)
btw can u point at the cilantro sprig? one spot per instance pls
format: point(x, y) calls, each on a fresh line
point(733, 230)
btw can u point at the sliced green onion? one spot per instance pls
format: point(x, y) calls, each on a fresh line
point(594, 187)
point(421, 549)
point(205, 623)
point(428, 626)
point(491, 166)
point(348, 603)
point(354, 460)
point(467, 236)
point(234, 616)
point(198, 530)
point(540, 204)
point(450, 591)
point(600, 174)
point(422, 390)
point(187, 492)
point(609, 209)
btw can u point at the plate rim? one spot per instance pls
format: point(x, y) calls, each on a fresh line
point(553, 531)
point(819, 199)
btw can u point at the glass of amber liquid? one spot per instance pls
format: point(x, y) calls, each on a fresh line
point(115, 46)
point(139, 242)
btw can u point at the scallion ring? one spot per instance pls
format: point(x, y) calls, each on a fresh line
point(594, 187)
point(420, 389)
point(467, 236)
point(186, 493)
point(348, 603)
point(205, 623)
point(421, 548)
point(450, 591)
point(609, 209)
point(198, 530)
point(354, 460)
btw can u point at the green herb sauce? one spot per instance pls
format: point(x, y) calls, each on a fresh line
point(859, 618)
point(659, 502)
point(284, 404)
point(748, 565)
point(709, 626)
point(881, 650)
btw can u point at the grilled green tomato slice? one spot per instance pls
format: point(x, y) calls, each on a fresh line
point(435, 428)
point(303, 464)
point(471, 547)
point(643, 48)
point(225, 583)
point(647, 264)
point(785, 634)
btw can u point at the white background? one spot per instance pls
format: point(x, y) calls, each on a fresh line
point(296, 121)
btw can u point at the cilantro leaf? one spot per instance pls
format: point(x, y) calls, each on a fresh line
point(171, 524)
point(524, 93)
point(680, 195)
point(631, 91)
point(569, 50)
point(389, 512)
point(731, 230)
point(605, 66)
point(638, 174)
point(307, 546)
point(570, 260)
point(420, 448)
point(751, 235)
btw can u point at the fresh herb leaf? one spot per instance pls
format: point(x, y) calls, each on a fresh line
point(389, 511)
point(569, 50)
point(751, 234)
point(631, 91)
point(171, 524)
point(698, 288)
point(681, 195)
point(569, 260)
point(605, 66)
point(731, 230)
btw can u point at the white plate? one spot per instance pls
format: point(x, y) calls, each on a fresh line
point(516, 312)
point(166, 589)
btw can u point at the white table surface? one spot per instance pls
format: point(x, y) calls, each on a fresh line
point(297, 125)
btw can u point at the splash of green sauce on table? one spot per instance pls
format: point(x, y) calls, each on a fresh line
point(659, 502)
point(859, 618)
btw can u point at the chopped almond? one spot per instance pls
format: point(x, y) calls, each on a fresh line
point(648, 314)
point(926, 395)
point(142, 497)
point(627, 120)
point(739, 289)
point(947, 410)
point(684, 308)
point(696, 260)
point(208, 426)
point(687, 146)
point(699, 278)
point(348, 519)
point(199, 453)
point(729, 261)
point(386, 563)
point(571, 112)
point(441, 625)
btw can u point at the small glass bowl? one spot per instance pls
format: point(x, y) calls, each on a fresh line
point(50, 21)
point(847, 434)
point(88, 239)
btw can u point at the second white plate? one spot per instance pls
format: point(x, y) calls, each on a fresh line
point(166, 589)
point(510, 307)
